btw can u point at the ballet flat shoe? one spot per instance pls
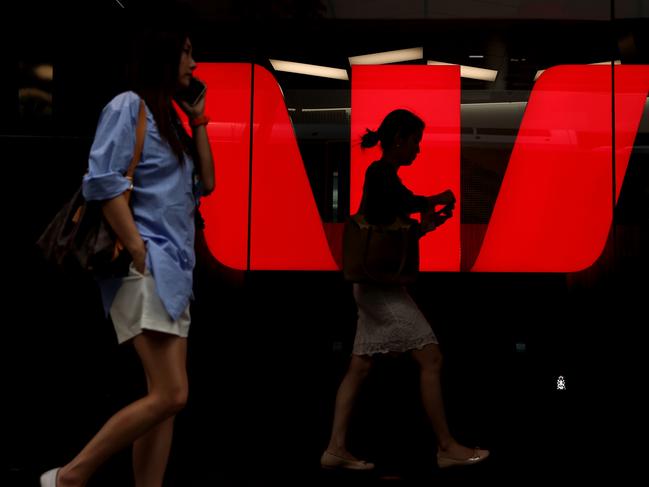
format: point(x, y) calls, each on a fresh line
point(331, 461)
point(478, 456)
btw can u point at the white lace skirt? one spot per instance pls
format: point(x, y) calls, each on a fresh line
point(388, 321)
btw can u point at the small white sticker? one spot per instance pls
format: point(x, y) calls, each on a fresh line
point(561, 383)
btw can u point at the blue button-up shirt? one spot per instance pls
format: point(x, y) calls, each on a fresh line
point(163, 199)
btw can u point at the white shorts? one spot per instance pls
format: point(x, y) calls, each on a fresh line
point(138, 307)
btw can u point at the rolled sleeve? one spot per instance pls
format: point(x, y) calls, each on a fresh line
point(112, 149)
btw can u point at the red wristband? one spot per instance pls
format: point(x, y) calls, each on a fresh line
point(200, 120)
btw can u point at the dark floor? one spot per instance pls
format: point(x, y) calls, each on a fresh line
point(267, 351)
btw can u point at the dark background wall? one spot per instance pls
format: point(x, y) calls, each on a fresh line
point(268, 349)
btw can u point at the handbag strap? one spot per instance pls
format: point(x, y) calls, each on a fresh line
point(140, 131)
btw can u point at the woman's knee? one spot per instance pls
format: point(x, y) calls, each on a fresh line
point(436, 361)
point(430, 360)
point(360, 366)
point(171, 401)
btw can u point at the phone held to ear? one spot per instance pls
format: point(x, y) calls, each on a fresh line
point(193, 93)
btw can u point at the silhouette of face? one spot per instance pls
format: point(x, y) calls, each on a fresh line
point(187, 65)
point(409, 148)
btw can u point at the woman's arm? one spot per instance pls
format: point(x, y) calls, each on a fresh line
point(205, 163)
point(444, 198)
point(120, 218)
point(432, 218)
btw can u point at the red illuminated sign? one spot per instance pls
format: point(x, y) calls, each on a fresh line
point(554, 208)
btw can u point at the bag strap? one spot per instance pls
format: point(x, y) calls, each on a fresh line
point(140, 132)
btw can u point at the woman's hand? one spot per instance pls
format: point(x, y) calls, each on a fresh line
point(139, 257)
point(446, 198)
point(437, 217)
point(433, 219)
point(196, 110)
point(119, 216)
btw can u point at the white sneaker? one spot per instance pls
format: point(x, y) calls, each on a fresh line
point(48, 479)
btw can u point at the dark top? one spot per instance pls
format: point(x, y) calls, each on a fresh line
point(385, 197)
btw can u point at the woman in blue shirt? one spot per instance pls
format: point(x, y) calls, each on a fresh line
point(150, 306)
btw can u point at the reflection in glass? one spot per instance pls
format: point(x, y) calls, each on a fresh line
point(35, 94)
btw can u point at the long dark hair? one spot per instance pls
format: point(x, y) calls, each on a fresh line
point(398, 122)
point(154, 77)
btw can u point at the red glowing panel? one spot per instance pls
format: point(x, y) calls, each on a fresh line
point(433, 93)
point(554, 208)
point(226, 209)
point(286, 230)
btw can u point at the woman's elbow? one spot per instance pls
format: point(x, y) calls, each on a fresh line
point(208, 188)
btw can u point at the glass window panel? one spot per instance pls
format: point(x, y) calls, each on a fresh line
point(35, 95)
point(631, 9)
point(470, 9)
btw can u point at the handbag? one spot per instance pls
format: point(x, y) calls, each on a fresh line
point(382, 254)
point(80, 238)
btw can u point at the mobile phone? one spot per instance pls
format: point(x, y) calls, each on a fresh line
point(193, 93)
point(446, 209)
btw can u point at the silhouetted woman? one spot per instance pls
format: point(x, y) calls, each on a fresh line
point(389, 321)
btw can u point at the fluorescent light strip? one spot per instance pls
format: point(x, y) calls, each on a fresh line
point(387, 57)
point(495, 104)
point(44, 71)
point(617, 61)
point(343, 109)
point(470, 71)
point(603, 63)
point(309, 69)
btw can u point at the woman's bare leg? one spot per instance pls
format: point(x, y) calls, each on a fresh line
point(429, 360)
point(163, 357)
point(359, 368)
point(151, 450)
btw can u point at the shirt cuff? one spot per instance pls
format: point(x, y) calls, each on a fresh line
point(104, 187)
